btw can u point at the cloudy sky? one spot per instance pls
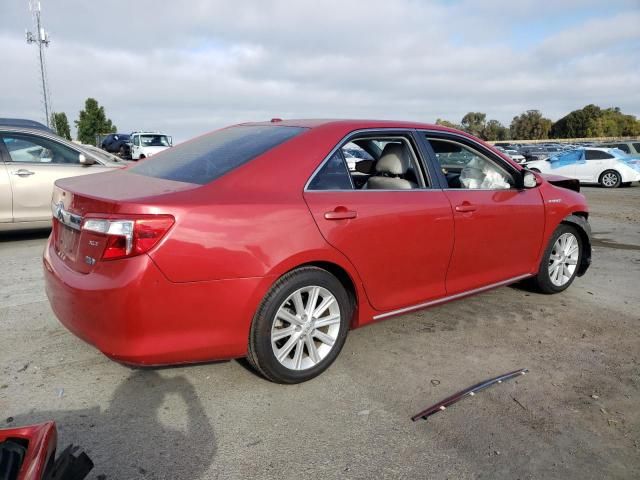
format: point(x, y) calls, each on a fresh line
point(188, 67)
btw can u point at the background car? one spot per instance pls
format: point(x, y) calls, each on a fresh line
point(117, 143)
point(264, 244)
point(630, 148)
point(609, 167)
point(30, 162)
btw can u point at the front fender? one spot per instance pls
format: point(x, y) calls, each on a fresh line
point(584, 229)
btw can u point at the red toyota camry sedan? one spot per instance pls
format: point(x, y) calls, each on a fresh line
point(272, 240)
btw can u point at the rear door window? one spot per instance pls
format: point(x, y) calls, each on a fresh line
point(25, 148)
point(597, 155)
point(624, 147)
point(332, 176)
point(210, 156)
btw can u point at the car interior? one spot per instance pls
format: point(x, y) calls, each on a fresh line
point(390, 163)
point(383, 164)
point(464, 167)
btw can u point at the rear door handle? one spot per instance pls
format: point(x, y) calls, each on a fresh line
point(23, 173)
point(465, 207)
point(340, 213)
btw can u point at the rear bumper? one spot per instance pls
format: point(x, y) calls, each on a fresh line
point(133, 314)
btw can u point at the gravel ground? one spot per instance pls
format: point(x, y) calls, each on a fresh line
point(575, 415)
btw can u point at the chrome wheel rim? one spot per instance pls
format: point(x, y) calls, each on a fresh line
point(564, 259)
point(306, 328)
point(609, 179)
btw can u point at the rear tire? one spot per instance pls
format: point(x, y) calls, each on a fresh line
point(560, 262)
point(610, 179)
point(300, 326)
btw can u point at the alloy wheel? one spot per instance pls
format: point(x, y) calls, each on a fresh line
point(305, 328)
point(563, 260)
point(610, 179)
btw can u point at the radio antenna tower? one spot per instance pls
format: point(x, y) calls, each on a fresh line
point(41, 39)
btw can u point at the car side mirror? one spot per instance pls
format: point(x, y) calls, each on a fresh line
point(84, 160)
point(529, 180)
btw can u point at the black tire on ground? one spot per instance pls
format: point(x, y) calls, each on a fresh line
point(610, 179)
point(542, 281)
point(260, 351)
point(122, 152)
point(141, 157)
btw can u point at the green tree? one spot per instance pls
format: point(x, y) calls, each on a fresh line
point(578, 124)
point(593, 121)
point(60, 124)
point(530, 125)
point(447, 123)
point(474, 123)
point(494, 130)
point(92, 121)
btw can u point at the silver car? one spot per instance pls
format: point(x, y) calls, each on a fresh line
point(30, 162)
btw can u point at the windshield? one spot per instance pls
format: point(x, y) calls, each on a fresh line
point(154, 140)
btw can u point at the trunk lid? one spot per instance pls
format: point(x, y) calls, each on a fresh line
point(117, 195)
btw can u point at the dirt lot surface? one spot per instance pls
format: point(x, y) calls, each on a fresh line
point(576, 415)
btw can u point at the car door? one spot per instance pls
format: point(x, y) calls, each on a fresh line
point(6, 201)
point(399, 241)
point(34, 163)
point(596, 162)
point(498, 226)
point(136, 148)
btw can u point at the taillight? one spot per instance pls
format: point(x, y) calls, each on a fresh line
point(130, 237)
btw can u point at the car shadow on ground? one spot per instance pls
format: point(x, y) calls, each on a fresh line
point(149, 419)
point(24, 235)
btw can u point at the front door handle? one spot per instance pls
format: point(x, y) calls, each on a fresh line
point(465, 207)
point(340, 213)
point(23, 172)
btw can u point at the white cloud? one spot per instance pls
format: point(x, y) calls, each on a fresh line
point(190, 67)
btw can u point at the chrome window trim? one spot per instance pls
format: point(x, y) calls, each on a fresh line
point(339, 145)
point(450, 297)
point(69, 219)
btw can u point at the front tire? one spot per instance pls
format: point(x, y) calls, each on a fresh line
point(610, 179)
point(560, 262)
point(300, 326)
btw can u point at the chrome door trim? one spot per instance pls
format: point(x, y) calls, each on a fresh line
point(450, 297)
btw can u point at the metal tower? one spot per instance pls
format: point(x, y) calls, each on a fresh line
point(41, 39)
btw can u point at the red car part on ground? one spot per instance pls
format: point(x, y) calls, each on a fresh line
point(178, 259)
point(29, 453)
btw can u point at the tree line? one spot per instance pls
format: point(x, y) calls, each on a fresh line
point(590, 121)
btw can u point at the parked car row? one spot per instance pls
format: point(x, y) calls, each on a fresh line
point(136, 145)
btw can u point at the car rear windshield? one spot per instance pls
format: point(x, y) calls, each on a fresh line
point(210, 156)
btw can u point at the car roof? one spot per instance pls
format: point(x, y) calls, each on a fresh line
point(354, 124)
point(24, 123)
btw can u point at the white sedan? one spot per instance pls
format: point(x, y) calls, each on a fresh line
point(609, 167)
